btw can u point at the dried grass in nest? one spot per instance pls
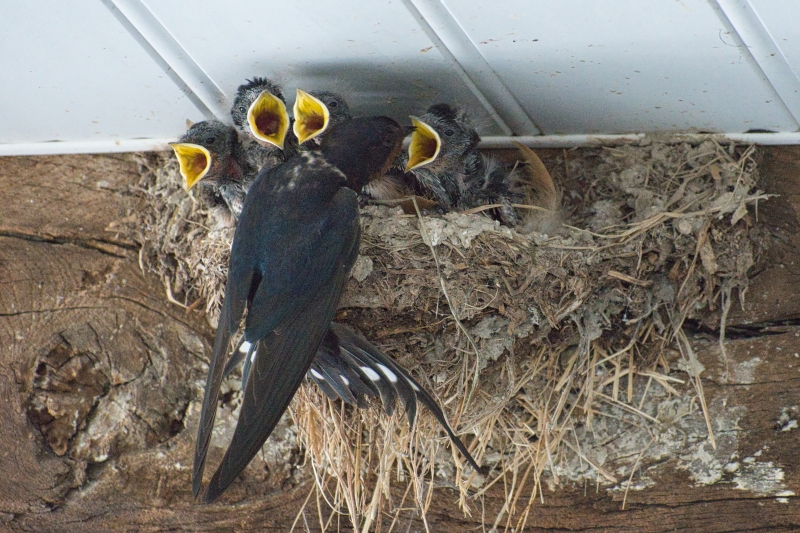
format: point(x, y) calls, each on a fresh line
point(530, 342)
point(182, 240)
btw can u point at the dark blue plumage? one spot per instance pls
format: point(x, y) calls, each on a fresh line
point(294, 246)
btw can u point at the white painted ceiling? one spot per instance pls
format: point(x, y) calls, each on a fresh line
point(100, 75)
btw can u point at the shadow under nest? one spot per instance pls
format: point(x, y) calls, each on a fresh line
point(557, 358)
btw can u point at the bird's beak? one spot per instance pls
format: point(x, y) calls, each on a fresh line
point(194, 161)
point(425, 145)
point(311, 116)
point(268, 119)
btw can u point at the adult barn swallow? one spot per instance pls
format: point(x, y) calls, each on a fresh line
point(294, 246)
point(317, 112)
point(346, 366)
point(210, 153)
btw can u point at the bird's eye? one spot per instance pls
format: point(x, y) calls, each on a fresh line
point(333, 104)
point(449, 133)
point(211, 140)
point(242, 109)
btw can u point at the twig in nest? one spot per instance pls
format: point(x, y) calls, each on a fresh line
point(486, 207)
point(694, 372)
point(633, 470)
point(600, 470)
point(169, 295)
point(194, 305)
point(723, 322)
point(301, 511)
point(629, 279)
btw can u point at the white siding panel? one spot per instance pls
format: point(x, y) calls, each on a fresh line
point(110, 75)
point(374, 53)
point(71, 72)
point(781, 22)
point(629, 65)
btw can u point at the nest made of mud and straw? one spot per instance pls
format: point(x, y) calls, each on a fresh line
point(525, 339)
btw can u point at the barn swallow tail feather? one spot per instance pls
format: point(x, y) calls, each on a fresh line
point(349, 367)
point(392, 381)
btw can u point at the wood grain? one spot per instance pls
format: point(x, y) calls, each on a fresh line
point(100, 379)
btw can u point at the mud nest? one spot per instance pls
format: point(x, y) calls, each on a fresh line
point(556, 357)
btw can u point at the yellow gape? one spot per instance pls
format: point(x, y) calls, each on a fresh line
point(425, 145)
point(311, 117)
point(194, 161)
point(268, 119)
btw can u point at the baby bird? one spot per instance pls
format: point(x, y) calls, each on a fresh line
point(259, 113)
point(444, 162)
point(443, 154)
point(210, 153)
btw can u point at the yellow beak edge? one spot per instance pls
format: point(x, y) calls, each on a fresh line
point(268, 119)
point(194, 161)
point(311, 117)
point(425, 145)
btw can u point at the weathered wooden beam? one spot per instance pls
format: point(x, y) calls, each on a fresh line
point(80, 324)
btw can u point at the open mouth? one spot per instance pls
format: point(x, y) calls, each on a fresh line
point(194, 161)
point(268, 119)
point(311, 117)
point(425, 145)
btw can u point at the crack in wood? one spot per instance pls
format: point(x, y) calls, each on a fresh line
point(53, 310)
point(743, 332)
point(151, 309)
point(104, 246)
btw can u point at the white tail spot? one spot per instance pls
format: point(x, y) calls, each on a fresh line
point(371, 374)
point(388, 373)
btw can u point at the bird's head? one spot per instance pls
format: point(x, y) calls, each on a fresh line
point(317, 112)
point(259, 110)
point(441, 139)
point(204, 151)
point(363, 148)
